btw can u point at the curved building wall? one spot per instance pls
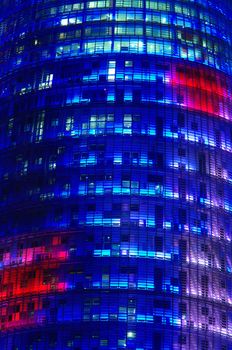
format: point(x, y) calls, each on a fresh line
point(116, 175)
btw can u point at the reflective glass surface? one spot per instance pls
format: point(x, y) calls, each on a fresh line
point(115, 175)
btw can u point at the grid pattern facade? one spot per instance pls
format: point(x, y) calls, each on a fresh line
point(116, 175)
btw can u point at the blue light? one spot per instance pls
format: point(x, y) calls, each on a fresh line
point(116, 171)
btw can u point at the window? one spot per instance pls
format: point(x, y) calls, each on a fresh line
point(159, 244)
point(204, 285)
point(183, 249)
point(202, 163)
point(158, 278)
point(205, 311)
point(159, 216)
point(182, 216)
point(182, 339)
point(203, 191)
point(181, 152)
point(183, 281)
point(128, 63)
point(181, 120)
point(182, 188)
point(69, 123)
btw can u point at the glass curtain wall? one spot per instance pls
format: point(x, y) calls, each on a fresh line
point(115, 175)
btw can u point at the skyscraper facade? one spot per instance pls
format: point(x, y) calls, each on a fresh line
point(116, 174)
